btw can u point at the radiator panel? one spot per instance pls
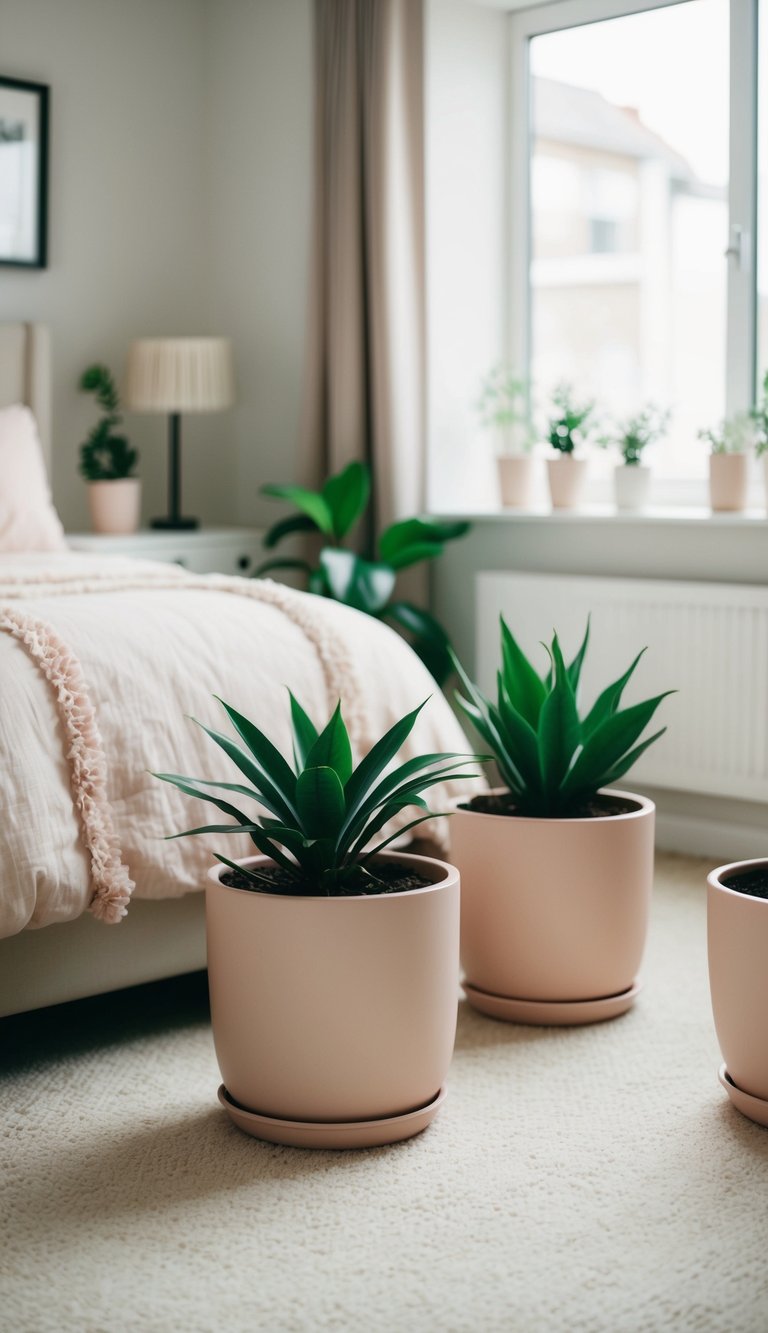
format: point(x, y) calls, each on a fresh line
point(709, 641)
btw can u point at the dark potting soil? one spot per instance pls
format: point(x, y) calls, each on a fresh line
point(391, 877)
point(598, 808)
point(752, 882)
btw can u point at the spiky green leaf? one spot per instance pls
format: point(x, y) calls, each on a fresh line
point(574, 670)
point(608, 701)
point(320, 798)
point(525, 688)
point(332, 748)
point(559, 730)
point(304, 732)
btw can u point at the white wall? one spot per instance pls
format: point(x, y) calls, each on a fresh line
point(466, 135)
point(260, 127)
point(179, 203)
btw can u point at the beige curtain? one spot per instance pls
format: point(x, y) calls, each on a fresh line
point(366, 363)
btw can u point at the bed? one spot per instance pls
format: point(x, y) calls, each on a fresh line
point(100, 661)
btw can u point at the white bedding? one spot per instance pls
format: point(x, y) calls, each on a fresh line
point(153, 644)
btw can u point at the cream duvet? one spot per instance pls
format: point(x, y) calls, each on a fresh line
point(102, 662)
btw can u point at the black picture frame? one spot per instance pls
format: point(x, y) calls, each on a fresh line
point(24, 119)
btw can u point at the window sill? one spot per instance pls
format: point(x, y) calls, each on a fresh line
point(666, 516)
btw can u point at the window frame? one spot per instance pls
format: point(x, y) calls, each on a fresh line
point(741, 316)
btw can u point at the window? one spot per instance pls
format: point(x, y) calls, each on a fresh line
point(634, 128)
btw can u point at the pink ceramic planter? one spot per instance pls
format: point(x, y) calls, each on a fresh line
point(737, 932)
point(728, 482)
point(515, 472)
point(566, 476)
point(115, 505)
point(554, 912)
point(332, 1012)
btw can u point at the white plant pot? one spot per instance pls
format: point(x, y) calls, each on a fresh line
point(566, 476)
point(515, 479)
point(115, 505)
point(631, 484)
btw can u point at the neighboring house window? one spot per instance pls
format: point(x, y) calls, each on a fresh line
point(620, 280)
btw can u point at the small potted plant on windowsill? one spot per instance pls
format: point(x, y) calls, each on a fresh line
point(332, 964)
point(737, 930)
point(760, 416)
point(556, 866)
point(569, 429)
point(503, 408)
point(632, 477)
point(107, 461)
point(730, 446)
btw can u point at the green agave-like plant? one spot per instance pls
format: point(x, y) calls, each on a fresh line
point(365, 582)
point(325, 811)
point(553, 760)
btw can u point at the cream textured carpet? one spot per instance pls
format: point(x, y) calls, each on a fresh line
point(594, 1179)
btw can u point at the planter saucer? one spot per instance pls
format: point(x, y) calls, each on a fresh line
point(322, 1134)
point(552, 1013)
point(754, 1108)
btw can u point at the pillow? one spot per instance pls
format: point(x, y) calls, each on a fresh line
point(28, 520)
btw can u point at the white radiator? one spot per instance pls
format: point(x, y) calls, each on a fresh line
point(709, 641)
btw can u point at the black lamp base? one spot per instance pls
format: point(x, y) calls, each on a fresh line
point(175, 524)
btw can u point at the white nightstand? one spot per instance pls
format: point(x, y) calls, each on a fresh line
point(203, 551)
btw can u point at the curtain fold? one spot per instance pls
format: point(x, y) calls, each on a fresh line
point(365, 387)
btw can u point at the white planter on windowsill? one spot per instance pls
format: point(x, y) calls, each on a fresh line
point(631, 483)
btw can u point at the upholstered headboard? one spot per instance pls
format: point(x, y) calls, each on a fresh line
point(25, 374)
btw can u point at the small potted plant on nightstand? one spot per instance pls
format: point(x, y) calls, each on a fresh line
point(737, 930)
point(569, 429)
point(730, 447)
point(503, 408)
point(332, 963)
point(107, 461)
point(632, 477)
point(556, 866)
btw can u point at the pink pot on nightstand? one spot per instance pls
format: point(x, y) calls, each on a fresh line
point(333, 1014)
point(554, 912)
point(115, 505)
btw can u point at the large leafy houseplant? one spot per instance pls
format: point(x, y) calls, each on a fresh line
point(364, 581)
point(556, 870)
point(323, 812)
point(105, 455)
point(333, 961)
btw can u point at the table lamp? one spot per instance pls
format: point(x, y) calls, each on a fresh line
point(176, 375)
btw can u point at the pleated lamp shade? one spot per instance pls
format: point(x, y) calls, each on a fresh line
point(179, 375)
